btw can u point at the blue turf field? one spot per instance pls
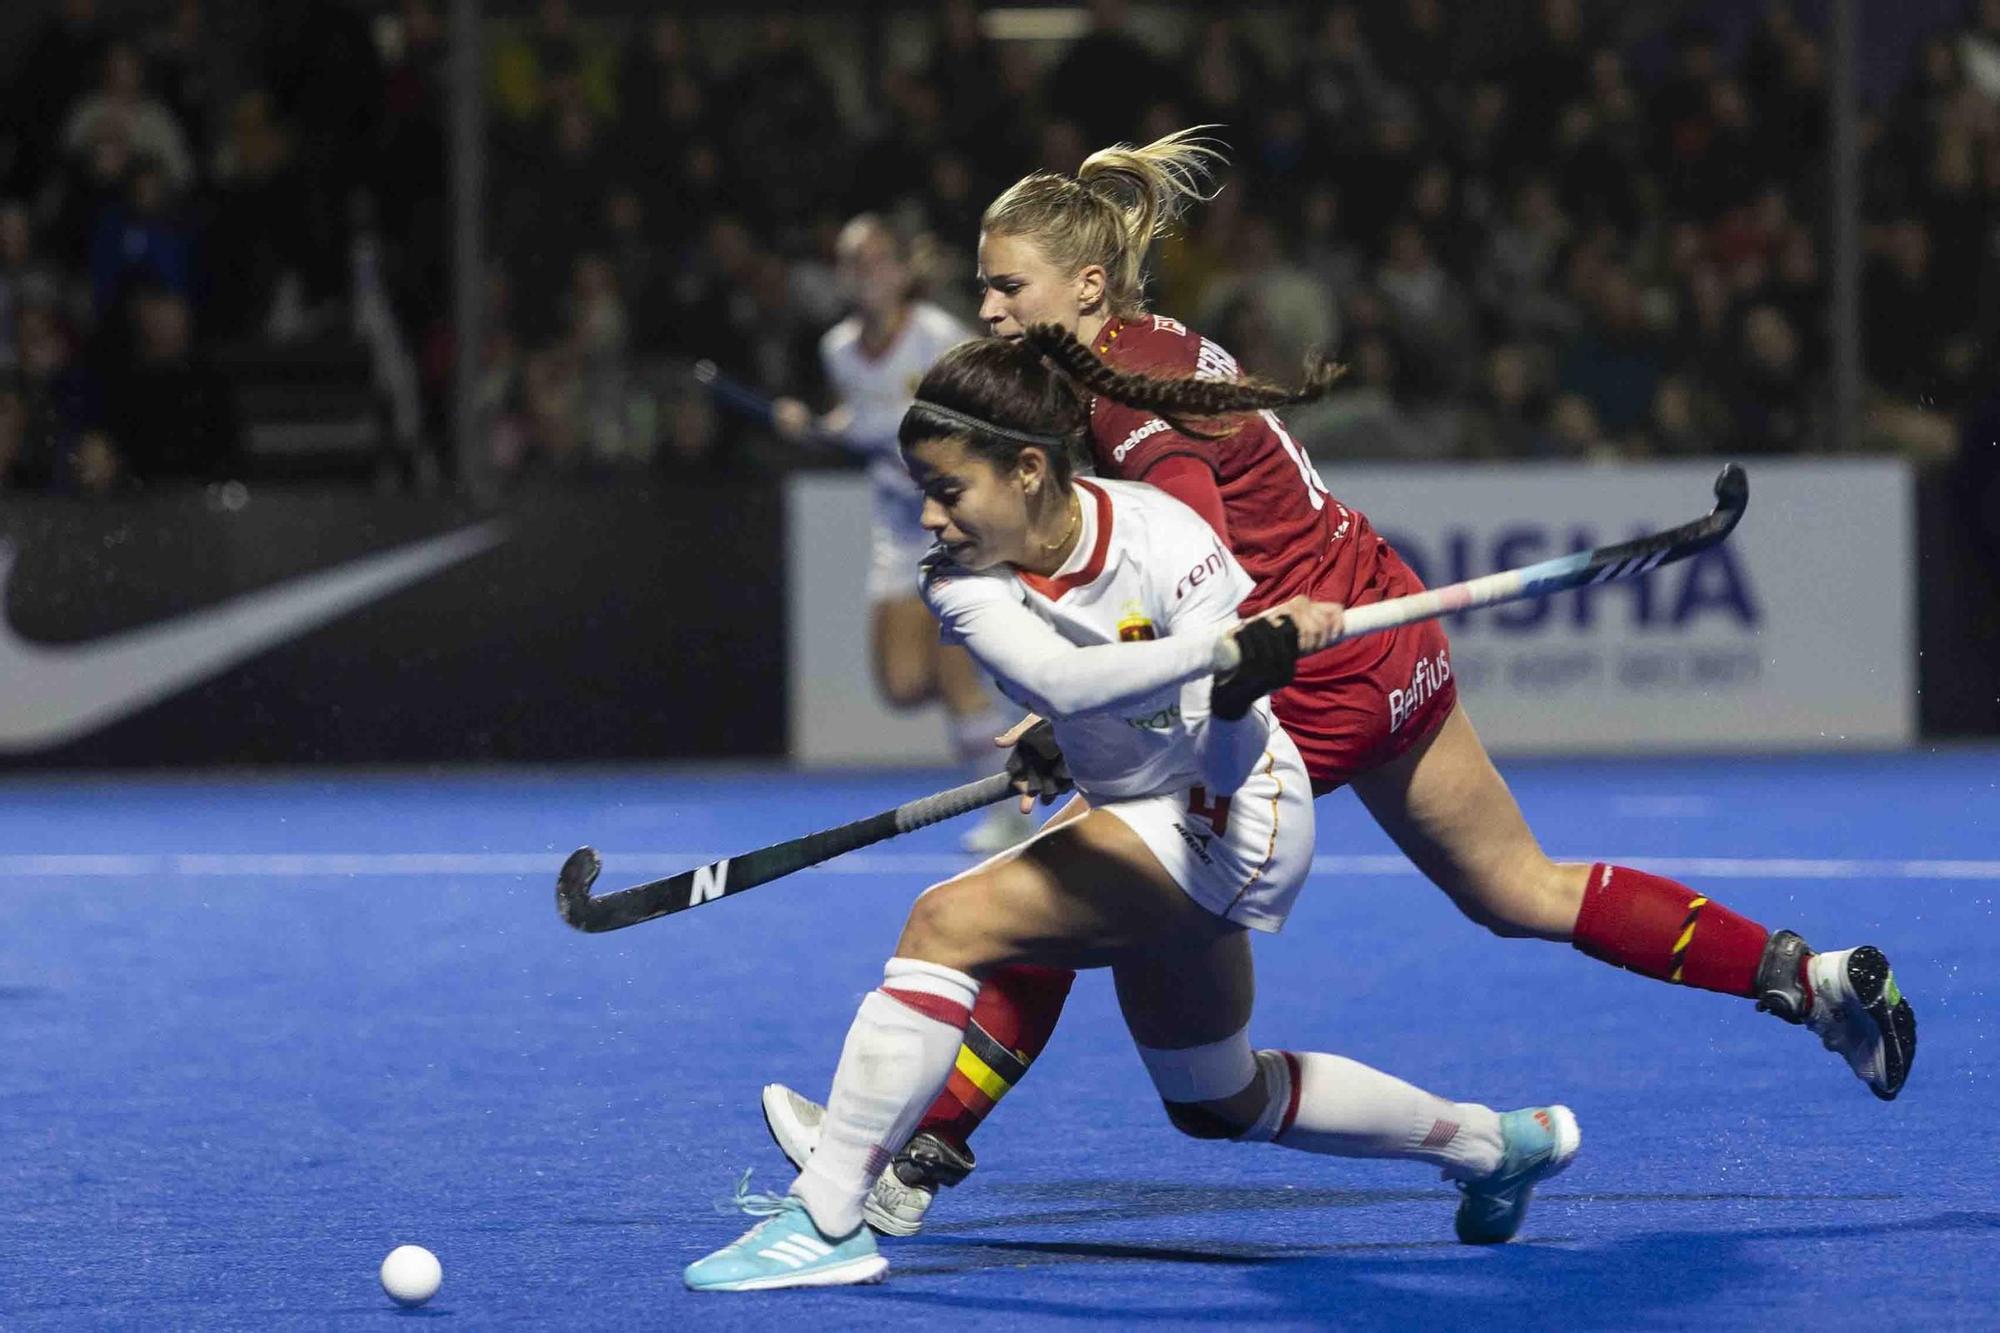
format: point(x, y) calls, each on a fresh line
point(253, 1033)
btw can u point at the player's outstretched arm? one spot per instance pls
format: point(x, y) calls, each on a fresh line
point(795, 422)
point(1038, 667)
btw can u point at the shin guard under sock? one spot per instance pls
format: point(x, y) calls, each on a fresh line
point(1017, 1010)
point(1662, 929)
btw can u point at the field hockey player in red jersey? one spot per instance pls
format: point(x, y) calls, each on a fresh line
point(1047, 581)
point(1380, 714)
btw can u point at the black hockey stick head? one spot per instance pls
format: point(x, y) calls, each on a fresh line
point(573, 886)
point(1732, 492)
point(1732, 497)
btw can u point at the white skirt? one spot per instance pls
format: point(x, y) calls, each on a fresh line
point(1243, 857)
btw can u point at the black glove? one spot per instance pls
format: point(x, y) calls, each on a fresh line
point(1270, 651)
point(1037, 764)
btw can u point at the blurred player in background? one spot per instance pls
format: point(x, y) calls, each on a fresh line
point(1380, 713)
point(873, 359)
point(1049, 581)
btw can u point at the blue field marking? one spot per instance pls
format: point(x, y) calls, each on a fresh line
point(235, 1070)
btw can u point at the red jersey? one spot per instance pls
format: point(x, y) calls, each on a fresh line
point(1287, 532)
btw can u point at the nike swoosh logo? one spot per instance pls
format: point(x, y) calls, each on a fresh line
point(52, 693)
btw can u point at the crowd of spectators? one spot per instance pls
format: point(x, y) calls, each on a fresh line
point(1558, 231)
point(186, 178)
point(1575, 242)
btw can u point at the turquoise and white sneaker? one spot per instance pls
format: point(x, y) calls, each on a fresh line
point(1538, 1143)
point(786, 1249)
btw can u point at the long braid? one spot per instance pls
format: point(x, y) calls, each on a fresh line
point(1178, 401)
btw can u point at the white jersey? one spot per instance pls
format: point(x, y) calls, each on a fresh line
point(1115, 648)
point(877, 391)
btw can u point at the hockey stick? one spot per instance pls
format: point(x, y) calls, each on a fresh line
point(731, 875)
point(740, 398)
point(719, 879)
point(733, 393)
point(1622, 560)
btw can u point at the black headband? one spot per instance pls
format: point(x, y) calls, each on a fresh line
point(958, 418)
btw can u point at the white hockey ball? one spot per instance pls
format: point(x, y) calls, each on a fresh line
point(411, 1275)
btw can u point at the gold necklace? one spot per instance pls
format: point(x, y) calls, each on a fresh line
point(1075, 517)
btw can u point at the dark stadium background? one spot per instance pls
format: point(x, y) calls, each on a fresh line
point(284, 255)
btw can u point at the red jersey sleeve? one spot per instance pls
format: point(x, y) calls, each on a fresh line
point(1193, 483)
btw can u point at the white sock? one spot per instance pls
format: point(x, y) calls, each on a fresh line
point(895, 1062)
point(972, 739)
point(1346, 1109)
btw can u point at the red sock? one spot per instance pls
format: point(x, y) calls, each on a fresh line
point(1661, 929)
point(1017, 1010)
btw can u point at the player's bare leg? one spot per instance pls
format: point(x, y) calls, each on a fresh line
point(1448, 809)
point(1451, 813)
point(903, 652)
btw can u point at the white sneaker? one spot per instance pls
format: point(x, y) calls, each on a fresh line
point(793, 1121)
point(902, 1194)
point(1859, 1013)
point(1003, 826)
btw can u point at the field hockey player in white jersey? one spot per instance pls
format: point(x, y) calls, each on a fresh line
point(873, 360)
point(1100, 605)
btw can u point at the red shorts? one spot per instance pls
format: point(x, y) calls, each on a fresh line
point(1355, 707)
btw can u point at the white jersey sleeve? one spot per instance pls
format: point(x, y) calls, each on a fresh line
point(1204, 602)
point(1040, 669)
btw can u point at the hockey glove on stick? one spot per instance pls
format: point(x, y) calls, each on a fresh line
point(1037, 766)
point(1269, 653)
